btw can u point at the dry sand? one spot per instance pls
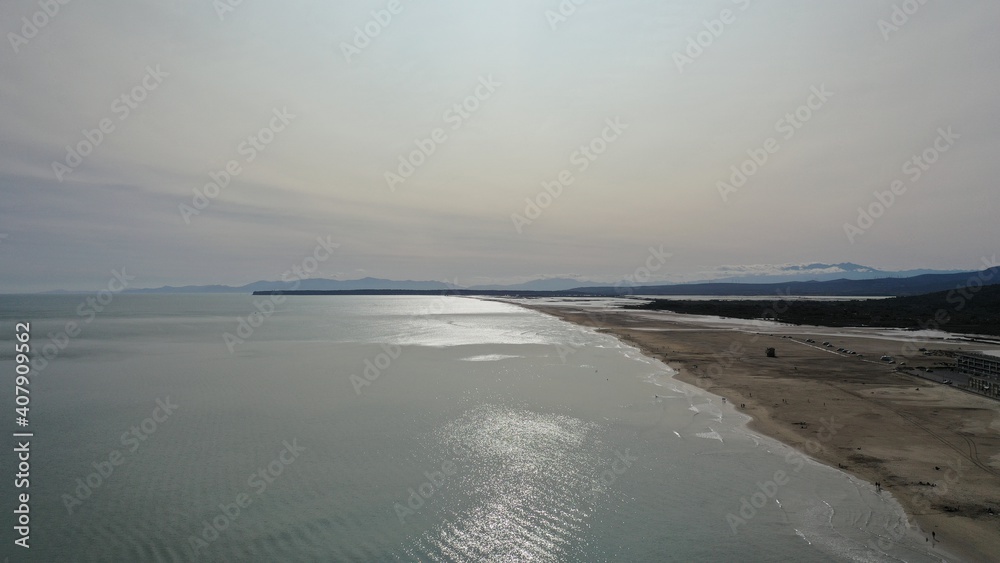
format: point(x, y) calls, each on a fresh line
point(935, 448)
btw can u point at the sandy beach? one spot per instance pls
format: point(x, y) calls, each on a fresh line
point(935, 448)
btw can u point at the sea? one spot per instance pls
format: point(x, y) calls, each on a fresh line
point(391, 428)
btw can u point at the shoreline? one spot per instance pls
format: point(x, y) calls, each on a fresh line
point(935, 449)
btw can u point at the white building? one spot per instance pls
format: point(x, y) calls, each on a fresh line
point(983, 369)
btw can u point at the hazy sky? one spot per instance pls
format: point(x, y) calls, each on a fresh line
point(503, 94)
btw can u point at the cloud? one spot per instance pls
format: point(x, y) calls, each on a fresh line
point(324, 174)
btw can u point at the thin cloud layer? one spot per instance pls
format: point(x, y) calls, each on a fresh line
point(472, 140)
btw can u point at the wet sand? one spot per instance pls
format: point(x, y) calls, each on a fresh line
point(935, 448)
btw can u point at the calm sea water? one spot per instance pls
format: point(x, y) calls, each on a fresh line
point(397, 429)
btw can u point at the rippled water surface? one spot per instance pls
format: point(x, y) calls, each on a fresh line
point(399, 428)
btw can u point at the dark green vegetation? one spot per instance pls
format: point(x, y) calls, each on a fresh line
point(916, 285)
point(968, 310)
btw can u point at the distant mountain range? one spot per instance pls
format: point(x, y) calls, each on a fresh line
point(888, 287)
point(365, 284)
point(817, 271)
point(749, 275)
point(313, 284)
point(548, 284)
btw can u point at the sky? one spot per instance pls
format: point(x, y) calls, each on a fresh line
point(492, 141)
